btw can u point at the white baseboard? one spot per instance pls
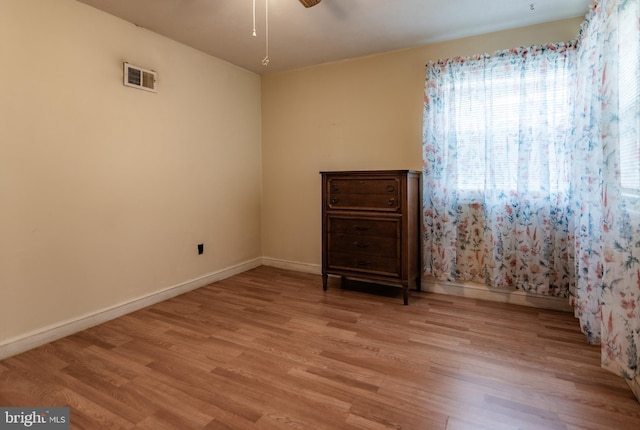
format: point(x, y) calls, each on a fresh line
point(480, 291)
point(463, 289)
point(57, 331)
point(314, 269)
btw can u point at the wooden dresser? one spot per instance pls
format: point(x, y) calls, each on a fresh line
point(371, 227)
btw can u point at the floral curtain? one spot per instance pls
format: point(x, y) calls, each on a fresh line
point(606, 183)
point(496, 167)
point(522, 191)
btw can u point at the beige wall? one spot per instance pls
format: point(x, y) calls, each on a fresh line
point(105, 190)
point(364, 113)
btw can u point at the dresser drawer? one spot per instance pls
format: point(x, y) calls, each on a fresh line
point(364, 226)
point(363, 245)
point(364, 263)
point(363, 193)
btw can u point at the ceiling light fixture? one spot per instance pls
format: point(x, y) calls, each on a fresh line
point(309, 3)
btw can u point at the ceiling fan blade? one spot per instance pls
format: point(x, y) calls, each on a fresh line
point(309, 3)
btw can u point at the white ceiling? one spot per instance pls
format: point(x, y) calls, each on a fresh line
point(330, 31)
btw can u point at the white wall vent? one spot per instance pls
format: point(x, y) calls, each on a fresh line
point(140, 78)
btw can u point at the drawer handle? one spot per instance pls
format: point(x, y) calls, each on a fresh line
point(361, 244)
point(391, 188)
point(363, 263)
point(334, 201)
point(335, 188)
point(391, 202)
point(362, 227)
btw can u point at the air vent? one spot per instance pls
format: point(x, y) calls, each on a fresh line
point(140, 78)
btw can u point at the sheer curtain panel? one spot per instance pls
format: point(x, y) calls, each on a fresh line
point(606, 183)
point(496, 169)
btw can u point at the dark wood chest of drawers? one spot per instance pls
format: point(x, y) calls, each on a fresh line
point(371, 226)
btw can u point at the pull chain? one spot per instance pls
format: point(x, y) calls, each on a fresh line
point(265, 60)
point(254, 18)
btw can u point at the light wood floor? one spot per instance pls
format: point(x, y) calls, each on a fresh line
point(268, 349)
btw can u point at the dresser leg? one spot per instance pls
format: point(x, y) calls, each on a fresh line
point(405, 294)
point(419, 283)
point(324, 281)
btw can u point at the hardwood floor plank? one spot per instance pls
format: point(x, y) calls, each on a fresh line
point(268, 349)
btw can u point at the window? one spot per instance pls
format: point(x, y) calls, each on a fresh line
point(629, 101)
point(511, 127)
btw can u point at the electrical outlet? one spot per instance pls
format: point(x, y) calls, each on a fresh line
point(200, 248)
